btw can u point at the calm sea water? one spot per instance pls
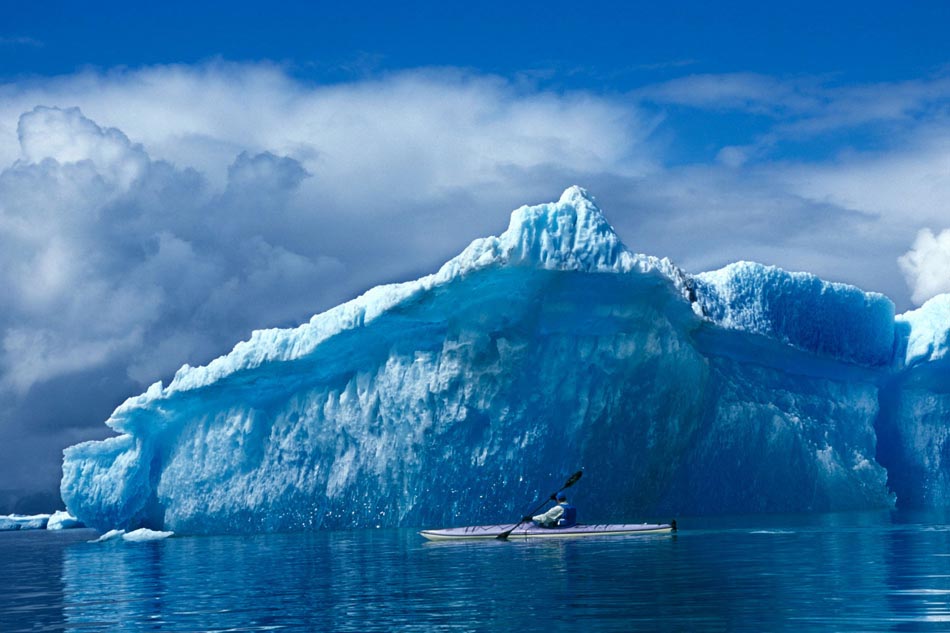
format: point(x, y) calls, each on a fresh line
point(845, 572)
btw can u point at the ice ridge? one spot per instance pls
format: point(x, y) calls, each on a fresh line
point(801, 310)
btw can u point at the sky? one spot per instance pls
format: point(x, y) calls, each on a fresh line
point(173, 177)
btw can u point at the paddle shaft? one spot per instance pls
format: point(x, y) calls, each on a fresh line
point(570, 482)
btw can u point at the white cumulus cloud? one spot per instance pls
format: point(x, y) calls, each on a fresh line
point(66, 136)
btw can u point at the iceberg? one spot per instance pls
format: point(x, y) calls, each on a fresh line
point(58, 520)
point(61, 520)
point(111, 535)
point(466, 393)
point(11, 522)
point(141, 535)
point(144, 535)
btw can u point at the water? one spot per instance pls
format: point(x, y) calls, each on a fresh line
point(844, 572)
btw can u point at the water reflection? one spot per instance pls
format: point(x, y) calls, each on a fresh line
point(838, 572)
point(31, 588)
point(918, 570)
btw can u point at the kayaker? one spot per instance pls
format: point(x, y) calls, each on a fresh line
point(562, 515)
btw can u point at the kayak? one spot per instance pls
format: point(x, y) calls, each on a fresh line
point(474, 532)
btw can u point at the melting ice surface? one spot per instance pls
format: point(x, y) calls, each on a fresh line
point(552, 346)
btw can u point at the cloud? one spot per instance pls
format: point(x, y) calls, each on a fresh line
point(666, 65)
point(264, 174)
point(906, 185)
point(782, 113)
point(706, 216)
point(106, 253)
point(816, 99)
point(457, 123)
point(36, 355)
point(927, 265)
point(749, 92)
point(66, 136)
point(20, 41)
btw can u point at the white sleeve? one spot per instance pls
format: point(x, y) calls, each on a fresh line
point(550, 517)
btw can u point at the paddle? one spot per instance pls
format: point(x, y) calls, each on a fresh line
point(567, 484)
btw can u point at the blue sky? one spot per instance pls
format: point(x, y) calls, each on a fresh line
point(614, 45)
point(175, 176)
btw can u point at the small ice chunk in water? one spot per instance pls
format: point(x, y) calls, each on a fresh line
point(108, 536)
point(142, 535)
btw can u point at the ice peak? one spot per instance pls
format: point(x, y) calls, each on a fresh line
point(576, 196)
point(571, 233)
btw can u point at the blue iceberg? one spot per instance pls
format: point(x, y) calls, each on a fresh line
point(459, 396)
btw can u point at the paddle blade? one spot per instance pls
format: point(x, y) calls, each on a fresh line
point(504, 535)
point(574, 479)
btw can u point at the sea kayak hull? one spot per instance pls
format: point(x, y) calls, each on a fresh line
point(476, 532)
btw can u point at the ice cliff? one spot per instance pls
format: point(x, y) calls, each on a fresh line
point(458, 397)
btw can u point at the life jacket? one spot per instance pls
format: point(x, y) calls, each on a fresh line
point(569, 518)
